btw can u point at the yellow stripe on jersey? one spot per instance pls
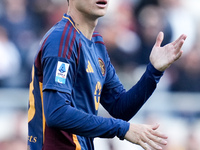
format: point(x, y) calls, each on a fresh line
point(43, 117)
point(75, 139)
point(72, 23)
point(31, 110)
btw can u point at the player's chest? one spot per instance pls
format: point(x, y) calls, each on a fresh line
point(92, 64)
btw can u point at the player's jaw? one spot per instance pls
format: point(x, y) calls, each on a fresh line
point(100, 8)
point(92, 9)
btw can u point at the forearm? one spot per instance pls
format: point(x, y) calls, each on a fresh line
point(65, 117)
point(127, 104)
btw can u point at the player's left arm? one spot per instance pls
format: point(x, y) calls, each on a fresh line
point(125, 104)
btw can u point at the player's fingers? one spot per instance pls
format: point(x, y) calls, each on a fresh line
point(157, 133)
point(151, 143)
point(157, 139)
point(155, 126)
point(182, 37)
point(178, 55)
point(144, 145)
point(179, 45)
point(159, 39)
point(154, 145)
point(177, 51)
point(157, 136)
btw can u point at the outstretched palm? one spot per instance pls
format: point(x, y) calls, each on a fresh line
point(162, 57)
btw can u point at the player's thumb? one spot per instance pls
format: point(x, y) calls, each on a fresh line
point(155, 126)
point(159, 39)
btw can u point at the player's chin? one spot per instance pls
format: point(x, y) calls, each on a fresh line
point(97, 14)
point(101, 13)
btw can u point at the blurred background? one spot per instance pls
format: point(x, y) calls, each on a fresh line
point(129, 30)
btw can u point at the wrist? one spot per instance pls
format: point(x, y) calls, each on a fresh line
point(156, 74)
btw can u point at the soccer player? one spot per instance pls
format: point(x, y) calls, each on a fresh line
point(72, 74)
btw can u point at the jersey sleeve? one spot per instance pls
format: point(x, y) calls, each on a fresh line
point(57, 107)
point(125, 104)
point(58, 73)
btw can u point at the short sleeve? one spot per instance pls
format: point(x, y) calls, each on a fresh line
point(58, 73)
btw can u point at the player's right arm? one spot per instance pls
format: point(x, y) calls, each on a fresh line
point(58, 105)
point(61, 115)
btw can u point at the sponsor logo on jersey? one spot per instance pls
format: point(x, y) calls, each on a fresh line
point(89, 68)
point(102, 66)
point(61, 72)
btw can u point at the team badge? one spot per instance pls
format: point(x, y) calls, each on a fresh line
point(102, 66)
point(61, 72)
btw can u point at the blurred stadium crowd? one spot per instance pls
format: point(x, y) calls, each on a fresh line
point(129, 30)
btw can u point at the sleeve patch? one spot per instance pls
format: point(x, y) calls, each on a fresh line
point(61, 72)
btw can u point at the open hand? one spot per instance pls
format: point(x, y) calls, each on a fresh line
point(146, 136)
point(162, 57)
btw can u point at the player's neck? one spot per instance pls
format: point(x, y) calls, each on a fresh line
point(84, 23)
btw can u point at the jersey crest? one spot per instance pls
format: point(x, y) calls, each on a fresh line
point(102, 66)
